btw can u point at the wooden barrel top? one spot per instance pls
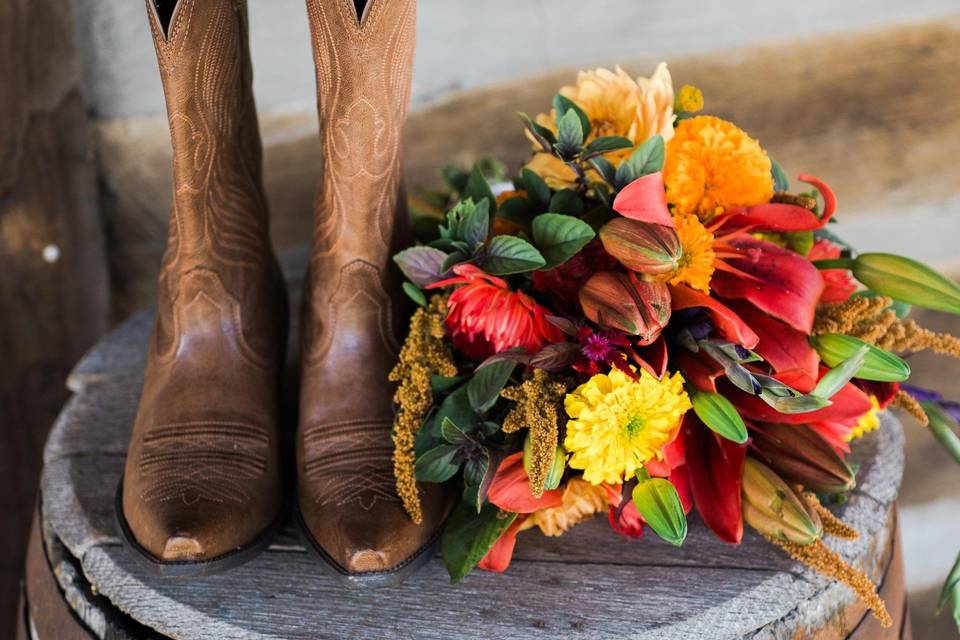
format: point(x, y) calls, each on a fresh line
point(589, 583)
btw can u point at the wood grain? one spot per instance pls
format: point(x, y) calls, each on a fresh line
point(589, 583)
point(53, 278)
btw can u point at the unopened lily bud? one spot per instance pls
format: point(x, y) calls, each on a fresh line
point(623, 302)
point(555, 475)
point(907, 280)
point(641, 246)
point(800, 454)
point(774, 509)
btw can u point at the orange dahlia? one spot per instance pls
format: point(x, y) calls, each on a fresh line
point(712, 166)
point(486, 317)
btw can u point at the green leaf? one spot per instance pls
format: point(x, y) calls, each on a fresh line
point(943, 427)
point(422, 265)
point(659, 504)
point(605, 168)
point(438, 464)
point(569, 135)
point(780, 180)
point(563, 104)
point(907, 280)
point(879, 365)
point(477, 475)
point(794, 404)
point(543, 136)
point(442, 384)
point(517, 210)
point(951, 590)
point(718, 413)
point(468, 224)
point(413, 291)
point(840, 375)
point(536, 188)
point(509, 254)
point(607, 144)
point(487, 382)
point(456, 407)
point(479, 189)
point(560, 237)
point(452, 433)
point(455, 177)
point(566, 201)
point(648, 158)
point(468, 536)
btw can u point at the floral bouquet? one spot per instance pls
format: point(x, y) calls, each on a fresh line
point(649, 320)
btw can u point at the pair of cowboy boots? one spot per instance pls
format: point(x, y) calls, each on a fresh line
point(203, 488)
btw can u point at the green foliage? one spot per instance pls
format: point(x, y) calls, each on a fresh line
point(780, 180)
point(468, 536)
point(569, 136)
point(648, 158)
point(560, 237)
point(562, 105)
point(537, 190)
point(719, 414)
point(507, 255)
point(907, 280)
point(439, 464)
point(414, 293)
point(566, 201)
point(840, 375)
point(479, 190)
point(487, 382)
point(951, 591)
point(879, 365)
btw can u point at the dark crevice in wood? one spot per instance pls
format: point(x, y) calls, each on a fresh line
point(165, 13)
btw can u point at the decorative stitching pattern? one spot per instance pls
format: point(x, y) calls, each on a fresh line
point(350, 463)
point(192, 461)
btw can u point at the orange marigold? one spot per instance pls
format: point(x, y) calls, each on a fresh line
point(713, 166)
point(696, 263)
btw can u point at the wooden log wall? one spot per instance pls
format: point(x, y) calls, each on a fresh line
point(53, 278)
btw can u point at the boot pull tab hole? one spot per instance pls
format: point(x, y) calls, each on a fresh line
point(360, 5)
point(165, 13)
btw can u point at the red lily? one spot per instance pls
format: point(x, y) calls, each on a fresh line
point(773, 279)
point(782, 347)
point(728, 324)
point(645, 200)
point(839, 282)
point(776, 216)
point(715, 469)
point(501, 553)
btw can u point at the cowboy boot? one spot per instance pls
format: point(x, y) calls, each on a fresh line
point(202, 489)
point(353, 310)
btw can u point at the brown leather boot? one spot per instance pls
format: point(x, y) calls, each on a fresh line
point(353, 309)
point(202, 487)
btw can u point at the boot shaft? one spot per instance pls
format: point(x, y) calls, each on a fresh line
point(363, 67)
point(205, 68)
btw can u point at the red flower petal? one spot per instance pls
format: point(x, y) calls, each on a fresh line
point(788, 217)
point(780, 282)
point(781, 346)
point(728, 323)
point(715, 468)
point(501, 553)
point(645, 200)
point(699, 370)
point(627, 522)
point(510, 489)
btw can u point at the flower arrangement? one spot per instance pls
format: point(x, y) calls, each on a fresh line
point(645, 321)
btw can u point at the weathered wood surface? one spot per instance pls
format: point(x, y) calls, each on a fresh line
point(53, 278)
point(589, 583)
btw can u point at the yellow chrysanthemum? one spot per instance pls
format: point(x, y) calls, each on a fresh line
point(713, 166)
point(696, 262)
point(617, 424)
point(616, 105)
point(581, 500)
point(867, 422)
point(689, 99)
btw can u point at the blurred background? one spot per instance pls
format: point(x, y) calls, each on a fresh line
point(863, 93)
